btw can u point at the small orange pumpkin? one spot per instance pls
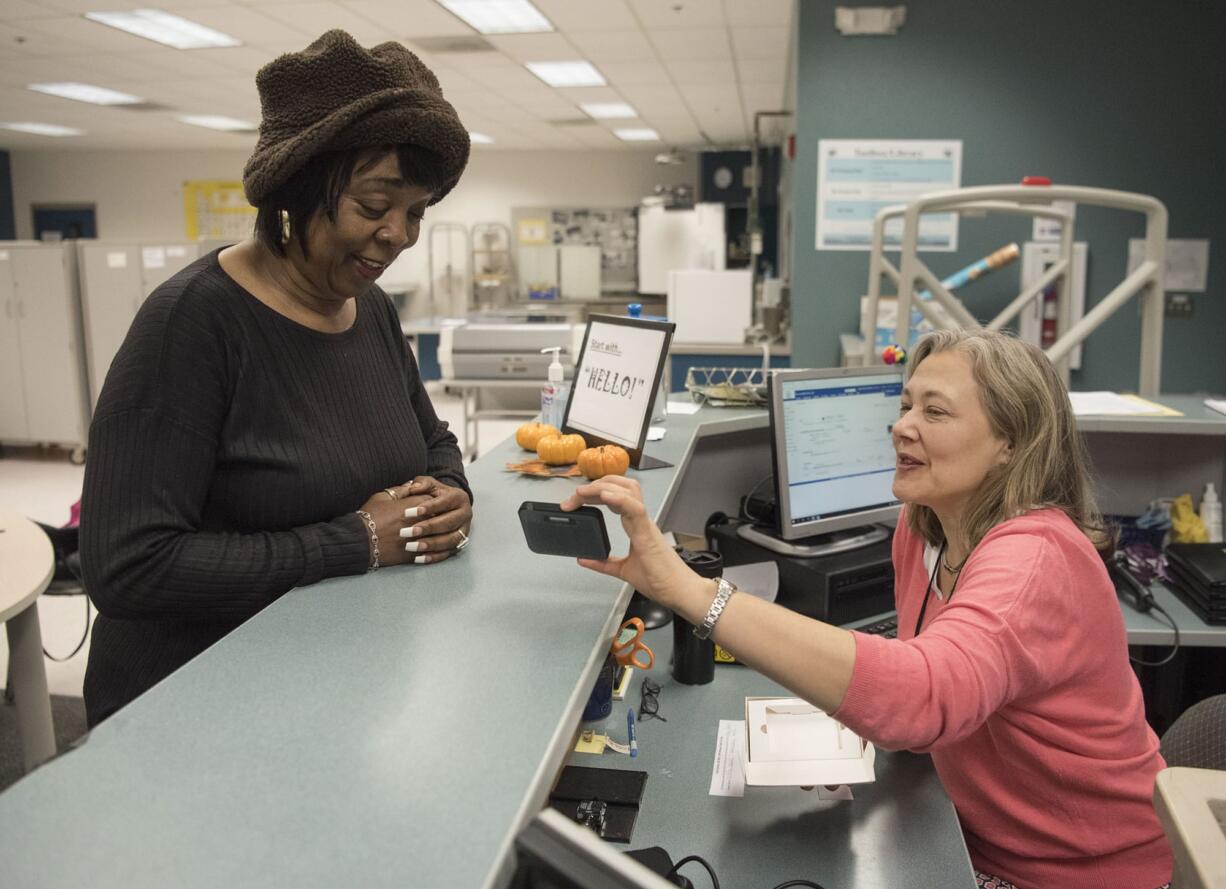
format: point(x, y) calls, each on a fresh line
point(527, 435)
point(605, 460)
point(559, 449)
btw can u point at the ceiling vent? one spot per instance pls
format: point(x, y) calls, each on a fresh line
point(458, 44)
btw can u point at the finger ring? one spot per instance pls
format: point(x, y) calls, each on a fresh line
point(463, 541)
point(391, 492)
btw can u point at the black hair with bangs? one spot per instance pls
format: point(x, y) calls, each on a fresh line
point(318, 186)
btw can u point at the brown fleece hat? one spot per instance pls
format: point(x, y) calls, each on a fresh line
point(337, 95)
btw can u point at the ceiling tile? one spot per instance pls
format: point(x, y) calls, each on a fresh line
point(597, 137)
point(317, 18)
point(705, 100)
point(406, 19)
point(760, 43)
point(703, 73)
point(645, 96)
point(13, 10)
point(248, 25)
point(634, 73)
point(688, 14)
point(452, 80)
point(535, 47)
point(247, 59)
point(762, 70)
point(188, 64)
point(761, 97)
point(590, 94)
point(759, 12)
point(83, 32)
point(588, 15)
point(615, 46)
point(507, 76)
point(698, 44)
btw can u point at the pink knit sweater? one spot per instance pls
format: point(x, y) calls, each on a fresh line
point(1019, 686)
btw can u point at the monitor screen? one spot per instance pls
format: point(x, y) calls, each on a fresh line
point(554, 852)
point(834, 461)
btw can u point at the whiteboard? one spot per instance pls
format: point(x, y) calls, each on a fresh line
point(678, 239)
point(710, 307)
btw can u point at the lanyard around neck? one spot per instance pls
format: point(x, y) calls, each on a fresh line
point(919, 622)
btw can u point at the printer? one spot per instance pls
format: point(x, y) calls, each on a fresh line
point(839, 589)
point(506, 351)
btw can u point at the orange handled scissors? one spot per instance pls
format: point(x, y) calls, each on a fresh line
point(628, 648)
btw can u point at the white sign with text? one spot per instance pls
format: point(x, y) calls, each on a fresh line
point(614, 383)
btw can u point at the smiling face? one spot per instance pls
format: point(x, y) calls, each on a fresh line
point(378, 216)
point(944, 442)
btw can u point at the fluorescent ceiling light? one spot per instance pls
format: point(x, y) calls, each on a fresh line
point(480, 139)
point(84, 92)
point(608, 109)
point(217, 122)
point(162, 27)
point(500, 16)
point(566, 73)
point(42, 129)
point(640, 135)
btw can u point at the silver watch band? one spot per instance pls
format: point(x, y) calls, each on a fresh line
point(723, 592)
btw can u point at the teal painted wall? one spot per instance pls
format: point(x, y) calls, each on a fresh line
point(1088, 92)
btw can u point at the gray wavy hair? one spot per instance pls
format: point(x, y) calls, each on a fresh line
point(1028, 407)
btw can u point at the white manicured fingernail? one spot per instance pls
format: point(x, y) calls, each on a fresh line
point(422, 560)
point(412, 512)
point(411, 531)
point(414, 547)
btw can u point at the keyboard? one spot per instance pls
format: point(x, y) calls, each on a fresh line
point(887, 628)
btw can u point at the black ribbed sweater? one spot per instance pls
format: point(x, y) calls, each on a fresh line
point(228, 452)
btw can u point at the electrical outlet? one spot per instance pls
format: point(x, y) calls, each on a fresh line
point(1178, 305)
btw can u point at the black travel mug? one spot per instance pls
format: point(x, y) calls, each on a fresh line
point(694, 658)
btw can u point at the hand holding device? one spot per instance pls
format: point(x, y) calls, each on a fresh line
point(651, 566)
point(550, 531)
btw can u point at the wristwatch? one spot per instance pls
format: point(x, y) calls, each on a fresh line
point(723, 592)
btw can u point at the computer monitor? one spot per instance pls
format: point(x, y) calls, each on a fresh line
point(833, 458)
point(554, 852)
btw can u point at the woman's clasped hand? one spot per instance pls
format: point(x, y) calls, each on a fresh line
point(420, 522)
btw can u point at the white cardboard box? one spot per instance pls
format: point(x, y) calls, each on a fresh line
point(789, 742)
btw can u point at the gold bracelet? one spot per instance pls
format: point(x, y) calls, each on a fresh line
point(374, 539)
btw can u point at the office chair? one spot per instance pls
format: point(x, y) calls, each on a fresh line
point(1197, 739)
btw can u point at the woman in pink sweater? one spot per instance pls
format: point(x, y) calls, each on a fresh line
point(1011, 662)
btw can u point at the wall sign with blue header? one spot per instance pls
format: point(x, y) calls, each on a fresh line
point(858, 177)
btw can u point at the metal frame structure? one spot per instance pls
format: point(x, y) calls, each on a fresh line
point(1034, 201)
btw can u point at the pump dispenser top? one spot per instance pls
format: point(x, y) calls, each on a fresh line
point(555, 391)
point(555, 366)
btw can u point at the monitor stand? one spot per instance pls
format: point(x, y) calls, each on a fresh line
point(820, 545)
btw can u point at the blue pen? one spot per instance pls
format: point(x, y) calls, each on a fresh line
point(634, 744)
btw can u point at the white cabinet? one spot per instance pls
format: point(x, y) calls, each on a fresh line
point(43, 398)
point(116, 277)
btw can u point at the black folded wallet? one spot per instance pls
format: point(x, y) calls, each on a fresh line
point(620, 789)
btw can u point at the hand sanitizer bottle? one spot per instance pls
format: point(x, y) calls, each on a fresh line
point(555, 392)
point(1211, 513)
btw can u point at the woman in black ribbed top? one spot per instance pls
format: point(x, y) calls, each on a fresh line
point(264, 425)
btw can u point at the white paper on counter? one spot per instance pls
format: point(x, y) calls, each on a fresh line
point(683, 408)
point(1112, 404)
point(759, 579)
point(1215, 404)
point(728, 770)
point(655, 433)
